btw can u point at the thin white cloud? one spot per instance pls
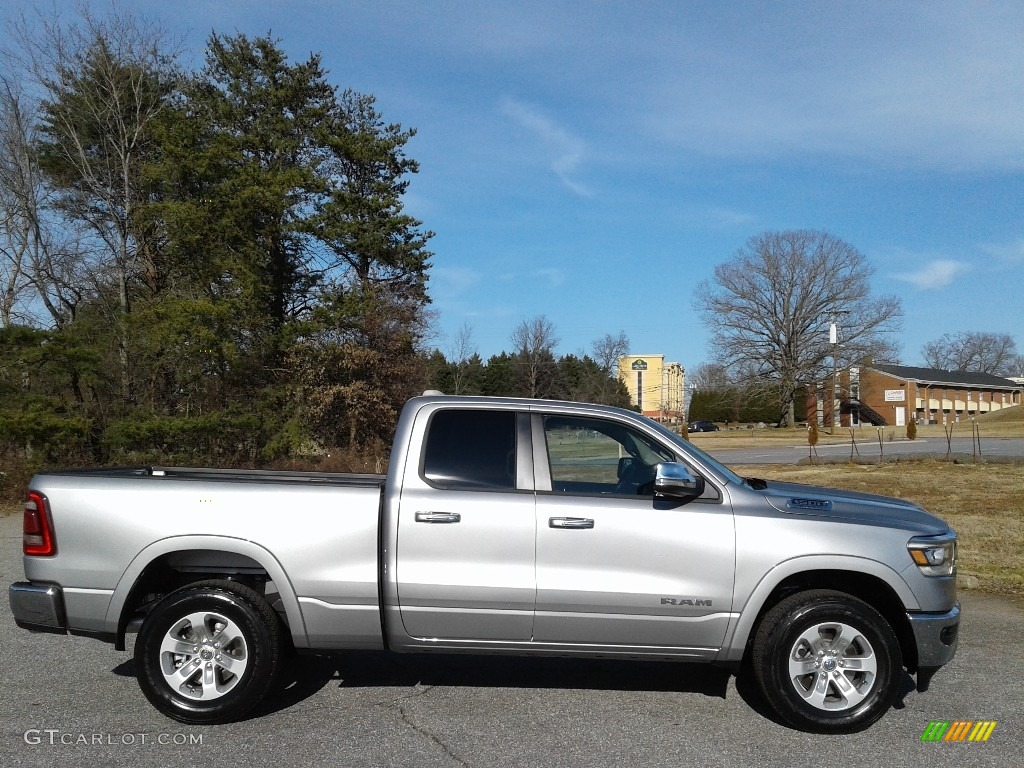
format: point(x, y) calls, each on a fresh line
point(912, 84)
point(566, 151)
point(932, 84)
point(1009, 253)
point(450, 282)
point(723, 217)
point(716, 218)
point(555, 277)
point(491, 311)
point(934, 275)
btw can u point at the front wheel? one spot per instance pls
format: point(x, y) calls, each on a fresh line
point(827, 662)
point(208, 652)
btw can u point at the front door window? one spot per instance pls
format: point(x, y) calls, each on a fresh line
point(592, 456)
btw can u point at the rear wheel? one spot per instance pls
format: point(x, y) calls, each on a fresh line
point(827, 662)
point(208, 652)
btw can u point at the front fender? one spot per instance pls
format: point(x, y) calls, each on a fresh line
point(131, 575)
point(739, 629)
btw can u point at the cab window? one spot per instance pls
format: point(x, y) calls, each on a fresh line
point(592, 456)
point(471, 449)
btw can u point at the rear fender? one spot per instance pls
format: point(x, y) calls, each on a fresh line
point(116, 610)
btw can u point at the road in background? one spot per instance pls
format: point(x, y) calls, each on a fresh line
point(75, 701)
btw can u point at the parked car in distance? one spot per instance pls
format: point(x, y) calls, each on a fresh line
point(703, 426)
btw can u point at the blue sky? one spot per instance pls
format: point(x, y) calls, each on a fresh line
point(593, 161)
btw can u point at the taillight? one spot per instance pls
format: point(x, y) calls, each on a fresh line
point(37, 531)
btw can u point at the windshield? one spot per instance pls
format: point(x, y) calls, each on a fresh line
point(687, 448)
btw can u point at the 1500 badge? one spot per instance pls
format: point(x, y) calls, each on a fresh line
point(684, 601)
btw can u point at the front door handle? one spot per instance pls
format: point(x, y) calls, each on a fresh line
point(570, 522)
point(438, 517)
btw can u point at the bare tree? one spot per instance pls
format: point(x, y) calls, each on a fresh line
point(769, 307)
point(461, 350)
point(709, 377)
point(1015, 367)
point(40, 258)
point(533, 342)
point(974, 351)
point(607, 351)
point(17, 168)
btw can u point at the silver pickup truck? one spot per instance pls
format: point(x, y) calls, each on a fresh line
point(503, 525)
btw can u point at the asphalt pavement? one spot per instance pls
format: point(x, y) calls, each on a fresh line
point(75, 701)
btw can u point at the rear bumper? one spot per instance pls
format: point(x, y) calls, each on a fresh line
point(937, 635)
point(38, 607)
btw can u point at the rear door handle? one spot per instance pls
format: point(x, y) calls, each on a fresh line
point(438, 517)
point(570, 522)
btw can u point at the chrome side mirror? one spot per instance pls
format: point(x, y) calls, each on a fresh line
point(674, 480)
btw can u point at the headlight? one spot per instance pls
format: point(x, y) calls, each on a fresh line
point(934, 555)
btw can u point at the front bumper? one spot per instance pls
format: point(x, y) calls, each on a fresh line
point(39, 607)
point(936, 635)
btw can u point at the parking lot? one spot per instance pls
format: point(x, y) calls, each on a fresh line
point(72, 700)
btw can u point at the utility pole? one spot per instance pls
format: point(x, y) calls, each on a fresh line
point(833, 338)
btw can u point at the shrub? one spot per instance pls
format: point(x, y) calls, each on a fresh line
point(42, 432)
point(217, 438)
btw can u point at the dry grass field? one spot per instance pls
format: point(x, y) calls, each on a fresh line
point(1008, 422)
point(983, 502)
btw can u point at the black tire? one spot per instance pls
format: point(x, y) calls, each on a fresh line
point(209, 652)
point(846, 662)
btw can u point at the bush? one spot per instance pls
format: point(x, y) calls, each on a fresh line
point(15, 472)
point(912, 430)
point(42, 433)
point(217, 438)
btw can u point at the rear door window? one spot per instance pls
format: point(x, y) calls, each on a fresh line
point(471, 450)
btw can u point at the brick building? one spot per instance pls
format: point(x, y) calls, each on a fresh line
point(892, 394)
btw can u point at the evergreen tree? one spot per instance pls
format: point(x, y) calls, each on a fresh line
point(499, 376)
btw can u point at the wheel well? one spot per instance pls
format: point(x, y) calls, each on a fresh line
point(174, 570)
point(871, 589)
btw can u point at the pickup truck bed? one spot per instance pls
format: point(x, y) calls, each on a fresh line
point(231, 475)
point(227, 522)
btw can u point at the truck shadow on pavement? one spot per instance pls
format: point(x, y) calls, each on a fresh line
point(302, 676)
point(305, 675)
